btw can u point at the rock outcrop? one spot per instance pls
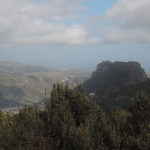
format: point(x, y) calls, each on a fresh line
point(113, 76)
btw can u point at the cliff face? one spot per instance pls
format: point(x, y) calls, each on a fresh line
point(112, 76)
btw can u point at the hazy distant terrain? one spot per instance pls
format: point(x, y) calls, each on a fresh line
point(25, 84)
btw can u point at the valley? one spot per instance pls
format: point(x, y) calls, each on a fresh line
point(113, 84)
point(22, 84)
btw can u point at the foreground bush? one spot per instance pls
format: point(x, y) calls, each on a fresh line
point(71, 121)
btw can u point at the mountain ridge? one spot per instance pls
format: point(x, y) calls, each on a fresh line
point(20, 68)
point(112, 76)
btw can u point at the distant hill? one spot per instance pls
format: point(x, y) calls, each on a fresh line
point(25, 84)
point(114, 83)
point(20, 68)
point(110, 77)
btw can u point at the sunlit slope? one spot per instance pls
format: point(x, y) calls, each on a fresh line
point(19, 86)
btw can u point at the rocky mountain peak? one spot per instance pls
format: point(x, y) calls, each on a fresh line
point(102, 66)
point(117, 65)
point(112, 76)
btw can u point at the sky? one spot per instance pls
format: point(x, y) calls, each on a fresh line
point(72, 34)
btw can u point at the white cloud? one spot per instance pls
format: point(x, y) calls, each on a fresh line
point(74, 35)
point(53, 22)
point(59, 35)
point(133, 13)
point(54, 9)
point(119, 35)
point(34, 22)
point(130, 22)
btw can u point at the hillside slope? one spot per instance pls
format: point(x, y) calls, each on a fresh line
point(25, 84)
point(115, 83)
point(110, 77)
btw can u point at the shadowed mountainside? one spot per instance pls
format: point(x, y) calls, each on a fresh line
point(110, 77)
point(115, 83)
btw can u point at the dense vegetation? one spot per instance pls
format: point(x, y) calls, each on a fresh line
point(71, 121)
point(121, 97)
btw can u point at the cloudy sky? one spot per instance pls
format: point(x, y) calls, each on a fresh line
point(75, 33)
